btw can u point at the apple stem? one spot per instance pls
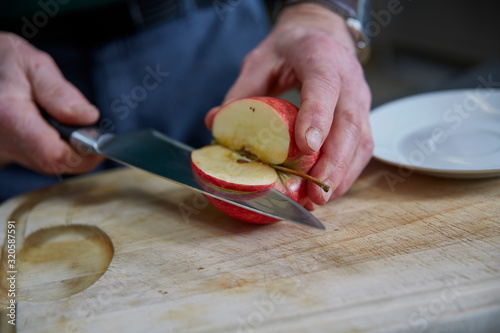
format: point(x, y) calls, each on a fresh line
point(305, 176)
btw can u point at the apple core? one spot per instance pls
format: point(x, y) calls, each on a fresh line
point(253, 126)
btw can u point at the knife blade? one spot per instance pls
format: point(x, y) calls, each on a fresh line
point(154, 152)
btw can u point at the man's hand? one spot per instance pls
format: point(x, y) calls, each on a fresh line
point(311, 48)
point(29, 78)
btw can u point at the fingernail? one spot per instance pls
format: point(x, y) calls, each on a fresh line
point(313, 138)
point(327, 195)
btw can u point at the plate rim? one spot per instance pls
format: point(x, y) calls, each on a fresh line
point(441, 172)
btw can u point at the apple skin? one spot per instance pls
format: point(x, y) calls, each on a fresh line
point(239, 213)
point(229, 209)
point(291, 185)
point(287, 111)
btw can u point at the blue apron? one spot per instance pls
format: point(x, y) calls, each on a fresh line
point(165, 77)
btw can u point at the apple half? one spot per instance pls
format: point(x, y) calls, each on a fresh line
point(254, 150)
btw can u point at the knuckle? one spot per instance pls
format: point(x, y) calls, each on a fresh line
point(56, 161)
point(46, 165)
point(41, 62)
point(9, 42)
point(252, 59)
point(352, 124)
point(316, 48)
point(326, 84)
point(354, 66)
point(328, 77)
point(49, 161)
point(368, 145)
point(311, 40)
point(41, 58)
point(352, 69)
point(341, 163)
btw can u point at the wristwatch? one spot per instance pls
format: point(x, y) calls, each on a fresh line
point(351, 11)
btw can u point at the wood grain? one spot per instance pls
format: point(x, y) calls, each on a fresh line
point(419, 254)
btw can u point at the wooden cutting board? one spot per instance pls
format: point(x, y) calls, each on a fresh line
point(125, 251)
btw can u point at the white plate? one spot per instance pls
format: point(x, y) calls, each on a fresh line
point(454, 133)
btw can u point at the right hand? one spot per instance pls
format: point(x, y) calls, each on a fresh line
point(311, 48)
point(30, 78)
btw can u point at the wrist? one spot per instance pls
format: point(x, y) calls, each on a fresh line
point(303, 18)
point(345, 8)
point(347, 11)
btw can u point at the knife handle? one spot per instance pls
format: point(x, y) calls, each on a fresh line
point(82, 139)
point(65, 131)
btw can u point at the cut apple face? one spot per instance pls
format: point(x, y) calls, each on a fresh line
point(228, 169)
point(255, 127)
point(255, 151)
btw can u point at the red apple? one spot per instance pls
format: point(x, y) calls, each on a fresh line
point(227, 169)
point(255, 150)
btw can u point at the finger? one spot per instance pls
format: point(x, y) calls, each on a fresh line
point(288, 80)
point(330, 168)
point(256, 75)
point(346, 148)
point(319, 94)
point(338, 150)
point(282, 79)
point(255, 79)
point(52, 155)
point(309, 205)
point(56, 95)
point(33, 143)
point(363, 154)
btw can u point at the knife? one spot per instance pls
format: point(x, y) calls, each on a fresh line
point(161, 155)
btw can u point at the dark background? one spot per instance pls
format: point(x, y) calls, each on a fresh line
point(431, 45)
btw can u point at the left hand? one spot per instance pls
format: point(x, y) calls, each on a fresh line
point(311, 48)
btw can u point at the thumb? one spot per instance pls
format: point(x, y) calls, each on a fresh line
point(56, 95)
